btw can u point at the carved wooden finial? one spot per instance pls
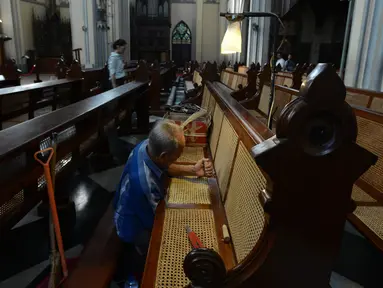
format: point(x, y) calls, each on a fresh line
point(210, 72)
point(311, 164)
point(251, 88)
point(75, 70)
point(310, 68)
point(204, 268)
point(142, 72)
point(61, 69)
point(222, 66)
point(297, 76)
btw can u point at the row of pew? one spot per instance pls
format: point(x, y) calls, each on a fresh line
point(368, 108)
point(255, 216)
point(21, 103)
point(271, 208)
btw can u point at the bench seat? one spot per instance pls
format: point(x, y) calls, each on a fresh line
point(191, 154)
point(230, 198)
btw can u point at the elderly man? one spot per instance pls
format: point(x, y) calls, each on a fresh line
point(141, 185)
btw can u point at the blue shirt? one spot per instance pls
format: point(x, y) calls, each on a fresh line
point(137, 195)
point(116, 65)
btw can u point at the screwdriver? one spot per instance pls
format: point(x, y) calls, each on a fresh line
point(193, 238)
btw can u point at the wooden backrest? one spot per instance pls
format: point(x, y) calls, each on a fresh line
point(26, 99)
point(197, 78)
point(240, 180)
point(267, 254)
point(80, 127)
point(233, 79)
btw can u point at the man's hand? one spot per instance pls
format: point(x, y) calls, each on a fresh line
point(204, 168)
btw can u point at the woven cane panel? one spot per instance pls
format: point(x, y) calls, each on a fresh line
point(370, 137)
point(175, 243)
point(243, 210)
point(191, 154)
point(227, 75)
point(288, 82)
point(377, 105)
point(264, 101)
point(234, 83)
point(12, 204)
point(372, 217)
point(230, 80)
point(359, 195)
point(216, 129)
point(205, 98)
point(224, 156)
point(280, 101)
point(357, 99)
point(189, 190)
point(244, 81)
point(211, 107)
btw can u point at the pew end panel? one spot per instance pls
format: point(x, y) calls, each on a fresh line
point(262, 201)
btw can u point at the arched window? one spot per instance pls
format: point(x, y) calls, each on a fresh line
point(181, 34)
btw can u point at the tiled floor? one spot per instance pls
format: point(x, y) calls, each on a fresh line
point(24, 253)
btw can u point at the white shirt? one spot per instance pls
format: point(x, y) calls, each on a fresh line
point(281, 62)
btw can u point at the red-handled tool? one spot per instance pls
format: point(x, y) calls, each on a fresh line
point(193, 238)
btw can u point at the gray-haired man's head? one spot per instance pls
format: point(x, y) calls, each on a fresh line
point(166, 143)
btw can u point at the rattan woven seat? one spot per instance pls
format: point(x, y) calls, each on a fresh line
point(191, 155)
point(189, 190)
point(175, 244)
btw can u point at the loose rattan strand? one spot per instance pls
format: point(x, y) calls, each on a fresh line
point(175, 244)
point(189, 190)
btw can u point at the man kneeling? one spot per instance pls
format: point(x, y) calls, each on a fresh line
point(142, 187)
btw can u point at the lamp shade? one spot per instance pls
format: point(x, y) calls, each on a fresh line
point(232, 41)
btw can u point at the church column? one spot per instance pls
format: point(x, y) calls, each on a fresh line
point(83, 28)
point(10, 16)
point(199, 30)
point(259, 36)
point(222, 26)
point(124, 25)
point(364, 66)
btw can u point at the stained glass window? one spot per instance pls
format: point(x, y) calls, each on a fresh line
point(181, 34)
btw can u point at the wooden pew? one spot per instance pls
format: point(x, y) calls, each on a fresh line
point(10, 73)
point(26, 99)
point(82, 129)
point(367, 192)
point(274, 227)
point(162, 82)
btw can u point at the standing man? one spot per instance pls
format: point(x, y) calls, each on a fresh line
point(142, 187)
point(116, 63)
point(290, 64)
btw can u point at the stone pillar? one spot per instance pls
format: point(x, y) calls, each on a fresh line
point(124, 24)
point(222, 27)
point(258, 44)
point(199, 30)
point(364, 66)
point(83, 28)
point(10, 15)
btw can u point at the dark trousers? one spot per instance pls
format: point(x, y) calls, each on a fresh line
point(133, 258)
point(119, 82)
